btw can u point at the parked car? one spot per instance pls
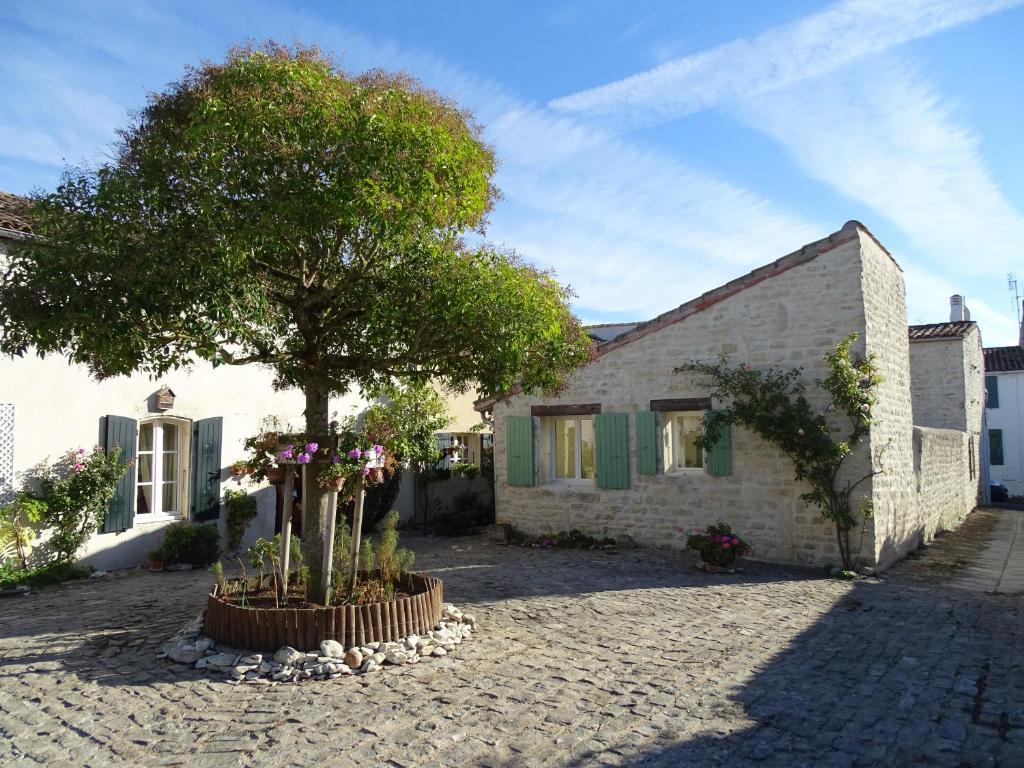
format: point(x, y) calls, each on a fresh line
point(998, 491)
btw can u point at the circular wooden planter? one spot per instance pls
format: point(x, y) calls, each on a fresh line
point(267, 629)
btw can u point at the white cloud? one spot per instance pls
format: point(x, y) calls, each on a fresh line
point(879, 134)
point(783, 55)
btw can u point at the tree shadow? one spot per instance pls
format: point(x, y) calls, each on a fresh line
point(895, 674)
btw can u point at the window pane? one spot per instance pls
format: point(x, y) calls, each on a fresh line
point(170, 437)
point(145, 437)
point(170, 467)
point(689, 431)
point(145, 468)
point(144, 500)
point(565, 448)
point(169, 499)
point(587, 448)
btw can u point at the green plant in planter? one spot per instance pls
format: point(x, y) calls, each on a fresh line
point(717, 545)
point(241, 509)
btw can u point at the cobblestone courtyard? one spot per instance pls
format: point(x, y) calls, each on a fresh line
point(583, 658)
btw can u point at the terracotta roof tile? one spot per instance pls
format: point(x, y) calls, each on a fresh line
point(1004, 359)
point(14, 213)
point(951, 330)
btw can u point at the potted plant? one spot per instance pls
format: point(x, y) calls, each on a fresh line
point(157, 559)
point(717, 545)
point(465, 469)
point(241, 468)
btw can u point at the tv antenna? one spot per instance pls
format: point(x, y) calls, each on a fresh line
point(1011, 283)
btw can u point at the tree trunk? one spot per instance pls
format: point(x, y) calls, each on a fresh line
point(314, 498)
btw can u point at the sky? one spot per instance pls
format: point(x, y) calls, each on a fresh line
point(649, 151)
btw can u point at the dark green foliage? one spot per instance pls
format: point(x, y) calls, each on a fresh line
point(45, 575)
point(466, 515)
point(198, 545)
point(241, 508)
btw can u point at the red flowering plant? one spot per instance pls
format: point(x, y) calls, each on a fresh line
point(717, 545)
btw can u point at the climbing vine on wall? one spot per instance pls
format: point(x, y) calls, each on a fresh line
point(773, 404)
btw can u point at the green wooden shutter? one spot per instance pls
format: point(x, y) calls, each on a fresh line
point(123, 433)
point(995, 447)
point(519, 441)
point(992, 390)
point(719, 458)
point(646, 443)
point(611, 432)
point(206, 468)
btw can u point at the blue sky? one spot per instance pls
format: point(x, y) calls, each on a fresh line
point(650, 151)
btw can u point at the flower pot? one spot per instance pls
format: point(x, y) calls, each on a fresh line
point(238, 472)
point(276, 474)
point(156, 565)
point(376, 476)
point(333, 484)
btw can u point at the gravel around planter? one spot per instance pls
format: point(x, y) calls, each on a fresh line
point(328, 662)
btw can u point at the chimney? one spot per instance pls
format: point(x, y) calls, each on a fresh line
point(957, 309)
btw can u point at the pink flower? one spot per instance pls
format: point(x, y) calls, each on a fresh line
point(366, 471)
point(311, 447)
point(355, 453)
point(304, 458)
point(378, 449)
point(735, 541)
point(287, 454)
point(79, 467)
point(726, 545)
point(81, 451)
point(336, 460)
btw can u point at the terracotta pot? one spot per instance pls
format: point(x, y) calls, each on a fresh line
point(239, 472)
point(156, 565)
point(275, 474)
point(334, 484)
point(376, 476)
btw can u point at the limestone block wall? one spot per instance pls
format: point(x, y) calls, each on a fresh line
point(937, 367)
point(945, 490)
point(890, 440)
point(789, 319)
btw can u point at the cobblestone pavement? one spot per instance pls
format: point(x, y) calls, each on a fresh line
point(584, 658)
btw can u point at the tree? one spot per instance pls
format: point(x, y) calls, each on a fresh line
point(773, 405)
point(274, 210)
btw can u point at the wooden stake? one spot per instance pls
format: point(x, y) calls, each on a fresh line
point(328, 565)
point(286, 530)
point(357, 532)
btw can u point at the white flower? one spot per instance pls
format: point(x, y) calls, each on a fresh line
point(799, 431)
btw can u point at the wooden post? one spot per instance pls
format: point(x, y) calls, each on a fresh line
point(357, 533)
point(286, 530)
point(328, 565)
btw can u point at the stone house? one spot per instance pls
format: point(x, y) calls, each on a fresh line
point(614, 454)
point(183, 446)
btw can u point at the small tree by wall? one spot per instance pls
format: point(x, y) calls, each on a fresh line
point(773, 404)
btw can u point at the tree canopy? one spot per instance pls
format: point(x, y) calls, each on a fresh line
point(272, 209)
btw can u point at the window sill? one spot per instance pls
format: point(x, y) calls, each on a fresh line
point(153, 518)
point(685, 472)
point(570, 485)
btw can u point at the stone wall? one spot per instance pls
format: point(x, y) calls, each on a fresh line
point(789, 319)
point(943, 486)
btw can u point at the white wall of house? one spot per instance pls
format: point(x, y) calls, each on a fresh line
point(58, 407)
point(1008, 418)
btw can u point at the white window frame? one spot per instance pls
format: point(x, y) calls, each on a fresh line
point(552, 432)
point(669, 439)
point(157, 513)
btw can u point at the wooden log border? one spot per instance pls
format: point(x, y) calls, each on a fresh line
point(267, 629)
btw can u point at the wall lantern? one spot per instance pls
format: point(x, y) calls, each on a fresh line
point(164, 398)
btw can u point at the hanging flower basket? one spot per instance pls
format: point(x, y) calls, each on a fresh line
point(333, 484)
point(275, 474)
